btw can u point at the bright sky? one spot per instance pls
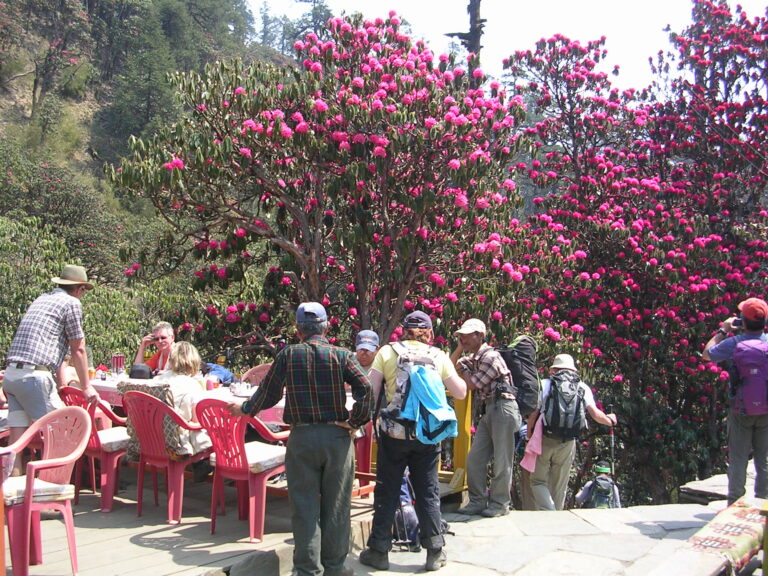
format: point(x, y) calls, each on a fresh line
point(633, 30)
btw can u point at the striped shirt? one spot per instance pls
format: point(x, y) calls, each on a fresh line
point(313, 374)
point(46, 329)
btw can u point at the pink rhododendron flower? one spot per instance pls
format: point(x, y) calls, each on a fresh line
point(285, 281)
point(245, 152)
point(264, 318)
point(239, 90)
point(221, 273)
point(497, 315)
point(454, 164)
point(352, 311)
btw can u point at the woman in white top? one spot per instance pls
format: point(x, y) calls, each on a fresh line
point(187, 390)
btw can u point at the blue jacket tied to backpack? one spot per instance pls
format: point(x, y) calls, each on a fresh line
point(428, 407)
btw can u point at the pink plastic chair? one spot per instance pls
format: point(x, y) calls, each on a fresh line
point(107, 446)
point(64, 434)
point(252, 462)
point(146, 414)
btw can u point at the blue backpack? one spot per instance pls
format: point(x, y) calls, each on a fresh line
point(750, 362)
point(419, 409)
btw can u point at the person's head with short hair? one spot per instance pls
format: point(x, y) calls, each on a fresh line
point(366, 346)
point(754, 313)
point(163, 335)
point(471, 334)
point(73, 280)
point(563, 362)
point(311, 319)
point(417, 326)
point(185, 359)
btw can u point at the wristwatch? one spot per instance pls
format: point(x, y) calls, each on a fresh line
point(721, 331)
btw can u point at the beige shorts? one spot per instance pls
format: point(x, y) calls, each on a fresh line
point(31, 395)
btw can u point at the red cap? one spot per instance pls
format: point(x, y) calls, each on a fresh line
point(754, 310)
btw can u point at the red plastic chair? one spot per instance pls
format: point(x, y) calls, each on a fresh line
point(146, 414)
point(64, 433)
point(107, 446)
point(233, 458)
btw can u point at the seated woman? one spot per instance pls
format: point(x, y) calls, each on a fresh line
point(182, 377)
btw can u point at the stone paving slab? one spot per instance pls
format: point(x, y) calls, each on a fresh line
point(632, 541)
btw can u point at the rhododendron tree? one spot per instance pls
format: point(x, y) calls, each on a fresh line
point(652, 236)
point(366, 170)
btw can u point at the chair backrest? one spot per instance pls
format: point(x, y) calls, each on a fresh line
point(65, 433)
point(72, 396)
point(227, 433)
point(149, 417)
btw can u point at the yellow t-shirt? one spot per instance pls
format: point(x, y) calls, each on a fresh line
point(386, 363)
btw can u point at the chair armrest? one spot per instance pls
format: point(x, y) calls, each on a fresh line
point(266, 433)
point(181, 421)
point(107, 409)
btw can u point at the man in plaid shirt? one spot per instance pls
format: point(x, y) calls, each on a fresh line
point(51, 327)
point(485, 371)
point(319, 459)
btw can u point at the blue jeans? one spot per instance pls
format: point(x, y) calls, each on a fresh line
point(422, 461)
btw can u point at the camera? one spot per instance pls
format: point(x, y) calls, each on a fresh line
point(737, 322)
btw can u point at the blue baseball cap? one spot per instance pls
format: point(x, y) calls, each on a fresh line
point(310, 312)
point(417, 319)
point(367, 340)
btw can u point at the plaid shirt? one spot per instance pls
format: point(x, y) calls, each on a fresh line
point(43, 335)
point(485, 369)
point(313, 374)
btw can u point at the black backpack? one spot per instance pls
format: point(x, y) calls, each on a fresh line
point(520, 357)
point(564, 409)
point(601, 494)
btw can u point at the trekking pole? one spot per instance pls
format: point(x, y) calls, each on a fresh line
point(613, 469)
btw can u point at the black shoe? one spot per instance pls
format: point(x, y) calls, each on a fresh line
point(436, 559)
point(375, 559)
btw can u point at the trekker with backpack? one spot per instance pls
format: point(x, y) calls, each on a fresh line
point(485, 371)
point(566, 400)
point(600, 492)
point(748, 416)
point(402, 441)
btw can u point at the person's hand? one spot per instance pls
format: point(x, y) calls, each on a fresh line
point(612, 417)
point(235, 409)
point(347, 426)
point(90, 394)
point(728, 325)
point(147, 340)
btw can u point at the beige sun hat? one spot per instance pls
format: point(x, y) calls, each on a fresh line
point(471, 326)
point(72, 274)
point(563, 362)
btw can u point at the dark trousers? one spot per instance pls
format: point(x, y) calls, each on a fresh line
point(319, 464)
point(422, 461)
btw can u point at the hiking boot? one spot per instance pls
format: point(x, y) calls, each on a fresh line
point(494, 511)
point(472, 509)
point(375, 559)
point(436, 559)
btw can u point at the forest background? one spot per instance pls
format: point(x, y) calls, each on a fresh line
point(214, 173)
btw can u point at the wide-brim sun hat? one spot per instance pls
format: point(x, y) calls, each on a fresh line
point(563, 362)
point(72, 275)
